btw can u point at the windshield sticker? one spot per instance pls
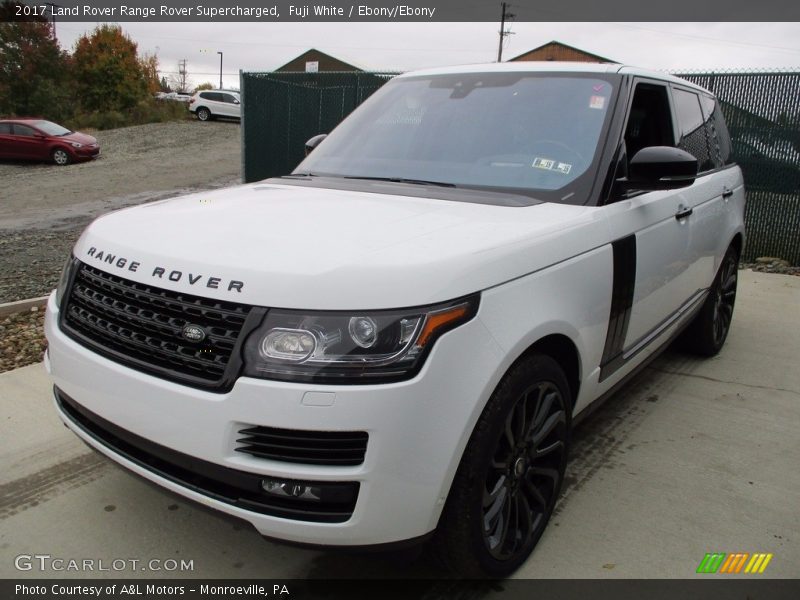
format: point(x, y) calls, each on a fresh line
point(597, 102)
point(549, 164)
point(598, 87)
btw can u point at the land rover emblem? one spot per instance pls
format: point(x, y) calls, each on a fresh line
point(193, 333)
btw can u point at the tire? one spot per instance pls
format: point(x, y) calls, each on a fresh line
point(203, 114)
point(61, 157)
point(707, 333)
point(510, 476)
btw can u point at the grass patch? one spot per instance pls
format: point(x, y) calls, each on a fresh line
point(146, 111)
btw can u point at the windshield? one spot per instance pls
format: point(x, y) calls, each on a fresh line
point(530, 133)
point(51, 128)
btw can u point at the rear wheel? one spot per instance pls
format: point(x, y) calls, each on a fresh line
point(510, 475)
point(61, 157)
point(708, 331)
point(203, 114)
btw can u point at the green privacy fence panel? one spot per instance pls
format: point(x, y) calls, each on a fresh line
point(762, 110)
point(283, 110)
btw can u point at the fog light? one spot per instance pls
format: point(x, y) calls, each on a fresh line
point(292, 489)
point(328, 494)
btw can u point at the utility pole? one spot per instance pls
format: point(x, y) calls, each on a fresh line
point(182, 74)
point(53, 16)
point(503, 32)
point(220, 69)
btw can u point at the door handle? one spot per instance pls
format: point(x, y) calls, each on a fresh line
point(683, 212)
point(726, 193)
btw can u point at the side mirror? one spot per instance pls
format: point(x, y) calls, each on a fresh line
point(314, 142)
point(660, 168)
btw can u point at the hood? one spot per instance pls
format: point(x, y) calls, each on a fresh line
point(79, 137)
point(315, 248)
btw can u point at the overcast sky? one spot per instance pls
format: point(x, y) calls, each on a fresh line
point(406, 46)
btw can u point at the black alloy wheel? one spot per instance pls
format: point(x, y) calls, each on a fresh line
point(724, 299)
point(706, 334)
point(511, 473)
point(525, 475)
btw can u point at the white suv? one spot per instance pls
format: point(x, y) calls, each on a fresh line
point(393, 342)
point(216, 103)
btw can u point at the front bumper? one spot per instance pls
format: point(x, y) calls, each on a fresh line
point(417, 431)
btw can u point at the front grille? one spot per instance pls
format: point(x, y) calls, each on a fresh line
point(141, 327)
point(337, 499)
point(333, 448)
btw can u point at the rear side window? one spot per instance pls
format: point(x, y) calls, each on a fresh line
point(691, 124)
point(213, 96)
point(5, 128)
point(23, 130)
point(719, 139)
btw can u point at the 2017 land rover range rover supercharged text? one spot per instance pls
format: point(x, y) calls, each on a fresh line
point(392, 342)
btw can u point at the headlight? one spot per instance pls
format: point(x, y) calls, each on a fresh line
point(63, 281)
point(352, 347)
point(76, 145)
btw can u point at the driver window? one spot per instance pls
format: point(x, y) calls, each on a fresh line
point(650, 119)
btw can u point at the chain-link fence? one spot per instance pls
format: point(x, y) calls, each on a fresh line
point(762, 109)
point(283, 110)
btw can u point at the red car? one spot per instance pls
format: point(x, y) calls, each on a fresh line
point(37, 139)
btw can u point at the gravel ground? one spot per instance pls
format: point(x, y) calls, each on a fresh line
point(44, 208)
point(21, 339)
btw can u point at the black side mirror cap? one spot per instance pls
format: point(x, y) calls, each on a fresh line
point(314, 142)
point(660, 168)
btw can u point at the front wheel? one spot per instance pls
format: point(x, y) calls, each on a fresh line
point(61, 157)
point(707, 333)
point(510, 475)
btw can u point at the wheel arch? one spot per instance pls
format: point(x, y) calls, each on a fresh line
point(738, 243)
point(563, 350)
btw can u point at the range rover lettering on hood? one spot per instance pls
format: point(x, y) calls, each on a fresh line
point(159, 272)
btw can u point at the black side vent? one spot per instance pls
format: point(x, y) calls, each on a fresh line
point(331, 448)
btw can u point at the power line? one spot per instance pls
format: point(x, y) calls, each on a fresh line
point(707, 38)
point(504, 14)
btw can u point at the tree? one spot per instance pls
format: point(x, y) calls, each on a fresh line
point(149, 65)
point(32, 67)
point(107, 70)
point(205, 86)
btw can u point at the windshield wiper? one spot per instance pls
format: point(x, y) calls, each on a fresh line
point(405, 180)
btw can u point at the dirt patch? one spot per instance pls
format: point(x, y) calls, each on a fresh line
point(44, 208)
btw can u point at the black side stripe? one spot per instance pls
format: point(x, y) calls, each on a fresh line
point(624, 251)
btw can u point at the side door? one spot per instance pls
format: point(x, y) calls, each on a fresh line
point(27, 142)
point(5, 141)
point(215, 103)
point(651, 233)
point(225, 104)
point(232, 106)
point(710, 195)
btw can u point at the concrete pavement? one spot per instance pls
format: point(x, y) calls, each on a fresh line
point(694, 456)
